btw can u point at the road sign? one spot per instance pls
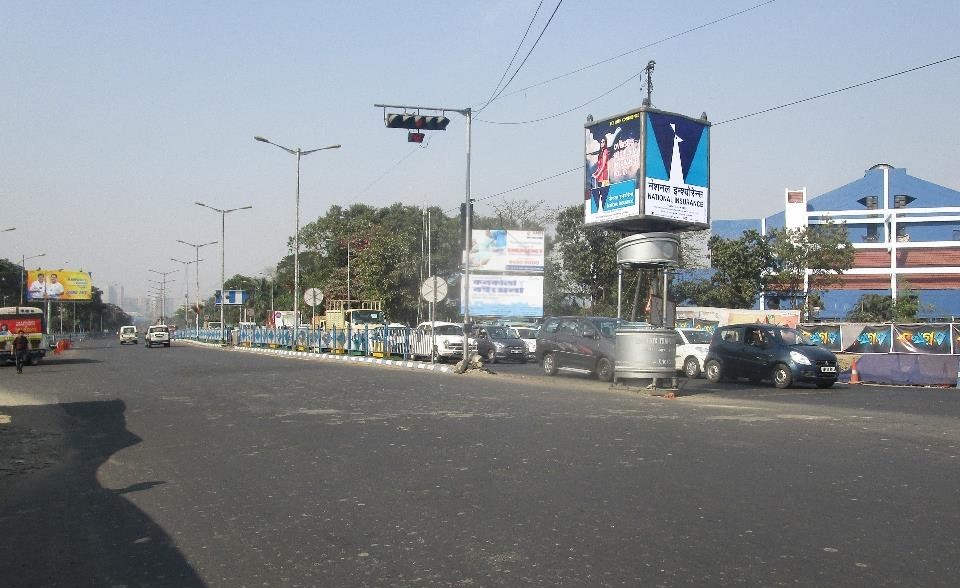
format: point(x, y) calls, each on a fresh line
point(434, 289)
point(313, 296)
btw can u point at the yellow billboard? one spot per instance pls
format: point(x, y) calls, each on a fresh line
point(59, 284)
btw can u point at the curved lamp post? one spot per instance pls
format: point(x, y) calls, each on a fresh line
point(223, 224)
point(296, 235)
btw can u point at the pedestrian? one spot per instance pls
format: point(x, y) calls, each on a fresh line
point(21, 346)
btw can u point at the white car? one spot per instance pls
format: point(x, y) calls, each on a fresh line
point(157, 335)
point(692, 346)
point(446, 341)
point(529, 338)
point(128, 334)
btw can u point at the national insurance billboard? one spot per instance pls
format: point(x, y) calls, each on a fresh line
point(647, 170)
point(59, 284)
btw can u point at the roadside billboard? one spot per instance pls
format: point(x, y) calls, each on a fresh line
point(647, 170)
point(499, 250)
point(59, 284)
point(234, 297)
point(505, 296)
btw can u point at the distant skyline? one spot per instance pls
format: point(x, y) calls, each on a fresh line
point(118, 116)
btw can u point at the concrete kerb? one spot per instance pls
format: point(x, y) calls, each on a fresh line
point(419, 365)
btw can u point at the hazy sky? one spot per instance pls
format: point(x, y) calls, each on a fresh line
point(117, 116)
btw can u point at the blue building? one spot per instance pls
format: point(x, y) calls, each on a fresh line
point(905, 231)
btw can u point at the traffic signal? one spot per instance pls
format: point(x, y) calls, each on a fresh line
point(418, 122)
point(415, 137)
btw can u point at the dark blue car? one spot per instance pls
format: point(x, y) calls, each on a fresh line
point(769, 352)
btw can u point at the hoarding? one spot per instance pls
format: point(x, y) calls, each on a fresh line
point(59, 284)
point(647, 170)
point(505, 296)
point(501, 250)
point(234, 297)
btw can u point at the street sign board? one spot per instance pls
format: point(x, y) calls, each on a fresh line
point(434, 289)
point(313, 296)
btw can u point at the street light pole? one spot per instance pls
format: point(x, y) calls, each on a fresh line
point(163, 294)
point(296, 235)
point(186, 287)
point(196, 248)
point(23, 271)
point(223, 230)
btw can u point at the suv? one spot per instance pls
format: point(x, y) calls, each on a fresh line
point(446, 342)
point(760, 352)
point(128, 334)
point(157, 335)
point(692, 347)
point(496, 342)
point(578, 343)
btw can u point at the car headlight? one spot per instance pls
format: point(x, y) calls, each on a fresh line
point(499, 346)
point(799, 358)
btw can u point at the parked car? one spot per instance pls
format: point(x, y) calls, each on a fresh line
point(495, 342)
point(157, 335)
point(529, 337)
point(578, 344)
point(769, 352)
point(692, 346)
point(446, 344)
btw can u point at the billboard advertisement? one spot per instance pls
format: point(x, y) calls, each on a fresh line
point(505, 296)
point(647, 170)
point(499, 250)
point(922, 338)
point(59, 284)
point(677, 168)
point(234, 297)
point(612, 169)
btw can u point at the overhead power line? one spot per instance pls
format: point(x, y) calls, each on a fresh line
point(632, 51)
point(493, 94)
point(527, 56)
point(759, 112)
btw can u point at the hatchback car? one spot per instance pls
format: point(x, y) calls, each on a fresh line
point(769, 352)
point(495, 342)
point(578, 343)
point(692, 347)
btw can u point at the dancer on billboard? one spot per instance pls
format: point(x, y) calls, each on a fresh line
point(601, 175)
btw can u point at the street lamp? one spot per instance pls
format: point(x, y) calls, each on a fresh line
point(296, 235)
point(23, 270)
point(197, 247)
point(223, 227)
point(163, 294)
point(186, 287)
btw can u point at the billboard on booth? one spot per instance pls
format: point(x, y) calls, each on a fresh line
point(499, 250)
point(505, 296)
point(647, 170)
point(59, 284)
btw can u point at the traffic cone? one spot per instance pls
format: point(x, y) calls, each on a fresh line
point(854, 374)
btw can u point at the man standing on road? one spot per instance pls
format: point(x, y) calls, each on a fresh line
point(20, 348)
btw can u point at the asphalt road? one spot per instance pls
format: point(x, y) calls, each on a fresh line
point(195, 466)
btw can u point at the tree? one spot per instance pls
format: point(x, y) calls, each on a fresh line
point(823, 249)
point(739, 268)
point(583, 265)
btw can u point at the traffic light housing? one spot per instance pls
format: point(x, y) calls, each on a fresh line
point(417, 122)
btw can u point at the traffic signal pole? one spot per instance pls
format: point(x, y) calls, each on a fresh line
point(408, 120)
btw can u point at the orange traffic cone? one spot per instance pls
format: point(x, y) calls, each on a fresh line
point(854, 374)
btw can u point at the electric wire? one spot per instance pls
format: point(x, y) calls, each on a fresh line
point(527, 56)
point(632, 51)
point(742, 117)
point(515, 53)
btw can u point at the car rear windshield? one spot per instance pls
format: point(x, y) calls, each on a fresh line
point(696, 336)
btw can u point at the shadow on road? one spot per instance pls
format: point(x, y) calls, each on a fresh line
point(60, 527)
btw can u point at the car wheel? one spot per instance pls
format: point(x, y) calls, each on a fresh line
point(691, 368)
point(713, 371)
point(549, 364)
point(604, 369)
point(782, 377)
point(492, 356)
point(824, 384)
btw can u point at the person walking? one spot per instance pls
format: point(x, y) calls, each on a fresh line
point(21, 346)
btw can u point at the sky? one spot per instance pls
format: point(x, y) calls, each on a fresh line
point(116, 117)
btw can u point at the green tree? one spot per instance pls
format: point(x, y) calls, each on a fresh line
point(823, 249)
point(739, 269)
point(582, 266)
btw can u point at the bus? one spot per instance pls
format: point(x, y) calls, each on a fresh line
point(31, 321)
